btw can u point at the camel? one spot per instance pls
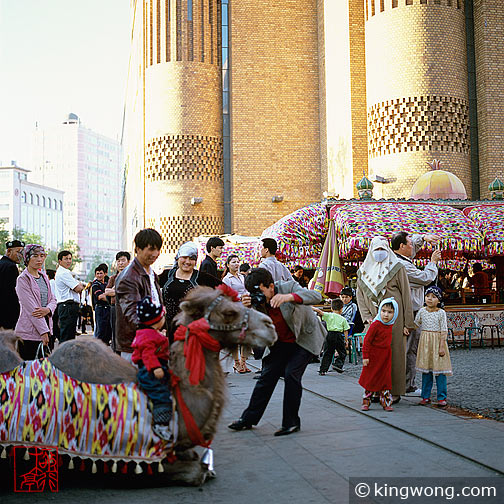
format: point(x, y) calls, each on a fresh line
point(87, 359)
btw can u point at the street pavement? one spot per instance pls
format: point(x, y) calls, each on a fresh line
point(337, 441)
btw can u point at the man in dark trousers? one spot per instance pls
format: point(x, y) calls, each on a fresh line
point(103, 329)
point(214, 247)
point(9, 303)
point(300, 336)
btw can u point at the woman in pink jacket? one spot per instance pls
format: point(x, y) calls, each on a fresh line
point(37, 303)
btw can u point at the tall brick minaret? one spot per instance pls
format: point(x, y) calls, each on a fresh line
point(182, 119)
point(417, 91)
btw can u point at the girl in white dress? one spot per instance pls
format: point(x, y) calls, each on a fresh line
point(433, 357)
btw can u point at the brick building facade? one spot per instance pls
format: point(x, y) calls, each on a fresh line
point(238, 112)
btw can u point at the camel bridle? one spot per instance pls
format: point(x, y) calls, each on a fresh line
point(243, 324)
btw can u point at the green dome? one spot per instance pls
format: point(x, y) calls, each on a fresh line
point(496, 185)
point(364, 183)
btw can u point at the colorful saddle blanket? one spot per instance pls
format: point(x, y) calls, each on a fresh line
point(42, 406)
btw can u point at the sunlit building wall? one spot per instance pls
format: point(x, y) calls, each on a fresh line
point(87, 166)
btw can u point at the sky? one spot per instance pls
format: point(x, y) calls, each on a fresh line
point(57, 57)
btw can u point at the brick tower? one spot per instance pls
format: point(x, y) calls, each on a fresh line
point(180, 75)
point(417, 90)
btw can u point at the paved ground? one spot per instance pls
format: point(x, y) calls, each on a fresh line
point(337, 441)
point(477, 383)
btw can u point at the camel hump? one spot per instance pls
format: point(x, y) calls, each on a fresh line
point(89, 360)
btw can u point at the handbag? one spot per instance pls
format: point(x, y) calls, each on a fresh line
point(41, 350)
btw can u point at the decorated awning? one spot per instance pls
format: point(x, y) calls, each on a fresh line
point(358, 223)
point(489, 219)
point(300, 236)
point(245, 247)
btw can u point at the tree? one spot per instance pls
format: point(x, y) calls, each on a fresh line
point(98, 259)
point(19, 234)
point(52, 255)
point(4, 237)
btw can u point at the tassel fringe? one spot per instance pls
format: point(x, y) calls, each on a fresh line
point(160, 467)
point(138, 469)
point(71, 464)
point(4, 453)
point(114, 467)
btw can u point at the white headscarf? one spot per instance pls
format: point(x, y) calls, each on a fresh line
point(188, 249)
point(375, 275)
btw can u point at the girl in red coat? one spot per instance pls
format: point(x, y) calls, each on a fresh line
point(376, 373)
point(150, 354)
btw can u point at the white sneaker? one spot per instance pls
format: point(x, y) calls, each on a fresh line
point(414, 393)
point(163, 431)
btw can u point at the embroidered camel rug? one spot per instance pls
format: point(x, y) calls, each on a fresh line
point(42, 406)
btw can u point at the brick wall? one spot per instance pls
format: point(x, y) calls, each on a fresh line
point(275, 135)
point(488, 33)
point(183, 122)
point(416, 90)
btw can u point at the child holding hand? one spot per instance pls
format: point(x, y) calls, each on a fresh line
point(376, 375)
point(150, 354)
point(433, 357)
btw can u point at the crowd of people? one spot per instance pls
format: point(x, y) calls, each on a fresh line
point(134, 312)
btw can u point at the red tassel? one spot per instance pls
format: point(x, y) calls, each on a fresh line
point(60, 460)
point(149, 469)
point(82, 466)
point(124, 469)
point(170, 458)
point(105, 468)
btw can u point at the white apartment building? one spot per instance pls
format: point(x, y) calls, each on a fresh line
point(34, 208)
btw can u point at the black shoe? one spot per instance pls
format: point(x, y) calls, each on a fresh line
point(239, 425)
point(338, 369)
point(259, 371)
point(285, 431)
point(256, 377)
point(396, 400)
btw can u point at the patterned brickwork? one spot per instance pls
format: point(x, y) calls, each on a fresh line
point(433, 123)
point(488, 30)
point(416, 83)
point(178, 229)
point(184, 157)
point(275, 133)
point(171, 35)
point(375, 7)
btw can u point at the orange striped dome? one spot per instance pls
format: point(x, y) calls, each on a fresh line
point(438, 184)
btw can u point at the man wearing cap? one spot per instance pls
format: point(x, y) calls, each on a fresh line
point(9, 303)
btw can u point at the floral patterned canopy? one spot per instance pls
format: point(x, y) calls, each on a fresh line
point(358, 223)
point(489, 219)
point(300, 236)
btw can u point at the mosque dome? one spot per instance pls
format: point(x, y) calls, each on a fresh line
point(438, 184)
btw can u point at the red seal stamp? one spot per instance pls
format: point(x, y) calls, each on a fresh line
point(39, 472)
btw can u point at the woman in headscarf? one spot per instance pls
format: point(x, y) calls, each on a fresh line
point(37, 302)
point(383, 276)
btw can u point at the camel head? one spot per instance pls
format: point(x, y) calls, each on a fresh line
point(9, 357)
point(227, 318)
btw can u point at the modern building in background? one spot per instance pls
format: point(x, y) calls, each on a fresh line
point(34, 208)
point(87, 166)
point(238, 112)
